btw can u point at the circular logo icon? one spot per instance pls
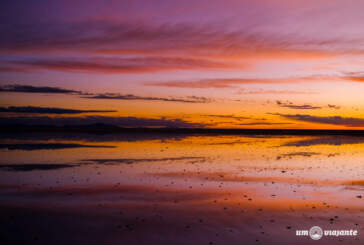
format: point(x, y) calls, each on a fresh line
point(316, 233)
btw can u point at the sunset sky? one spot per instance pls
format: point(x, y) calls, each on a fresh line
point(192, 63)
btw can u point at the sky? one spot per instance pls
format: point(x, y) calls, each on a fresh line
point(194, 63)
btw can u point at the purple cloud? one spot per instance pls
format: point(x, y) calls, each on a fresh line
point(290, 105)
point(333, 120)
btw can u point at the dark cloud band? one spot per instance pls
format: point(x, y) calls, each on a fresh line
point(333, 120)
point(33, 89)
point(47, 110)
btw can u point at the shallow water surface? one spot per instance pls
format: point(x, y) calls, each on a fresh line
point(185, 189)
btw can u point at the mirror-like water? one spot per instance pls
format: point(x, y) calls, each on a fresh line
point(193, 189)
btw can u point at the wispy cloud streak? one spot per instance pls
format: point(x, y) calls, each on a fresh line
point(47, 110)
point(16, 88)
point(222, 83)
point(112, 96)
point(113, 65)
point(290, 105)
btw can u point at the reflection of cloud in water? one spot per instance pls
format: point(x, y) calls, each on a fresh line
point(237, 142)
point(297, 154)
point(119, 193)
point(331, 140)
point(139, 160)
point(230, 177)
point(89, 137)
point(131, 136)
point(33, 167)
point(48, 146)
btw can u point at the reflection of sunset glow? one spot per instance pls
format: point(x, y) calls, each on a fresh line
point(262, 162)
point(219, 179)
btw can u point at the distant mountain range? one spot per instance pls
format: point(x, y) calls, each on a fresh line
point(108, 128)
